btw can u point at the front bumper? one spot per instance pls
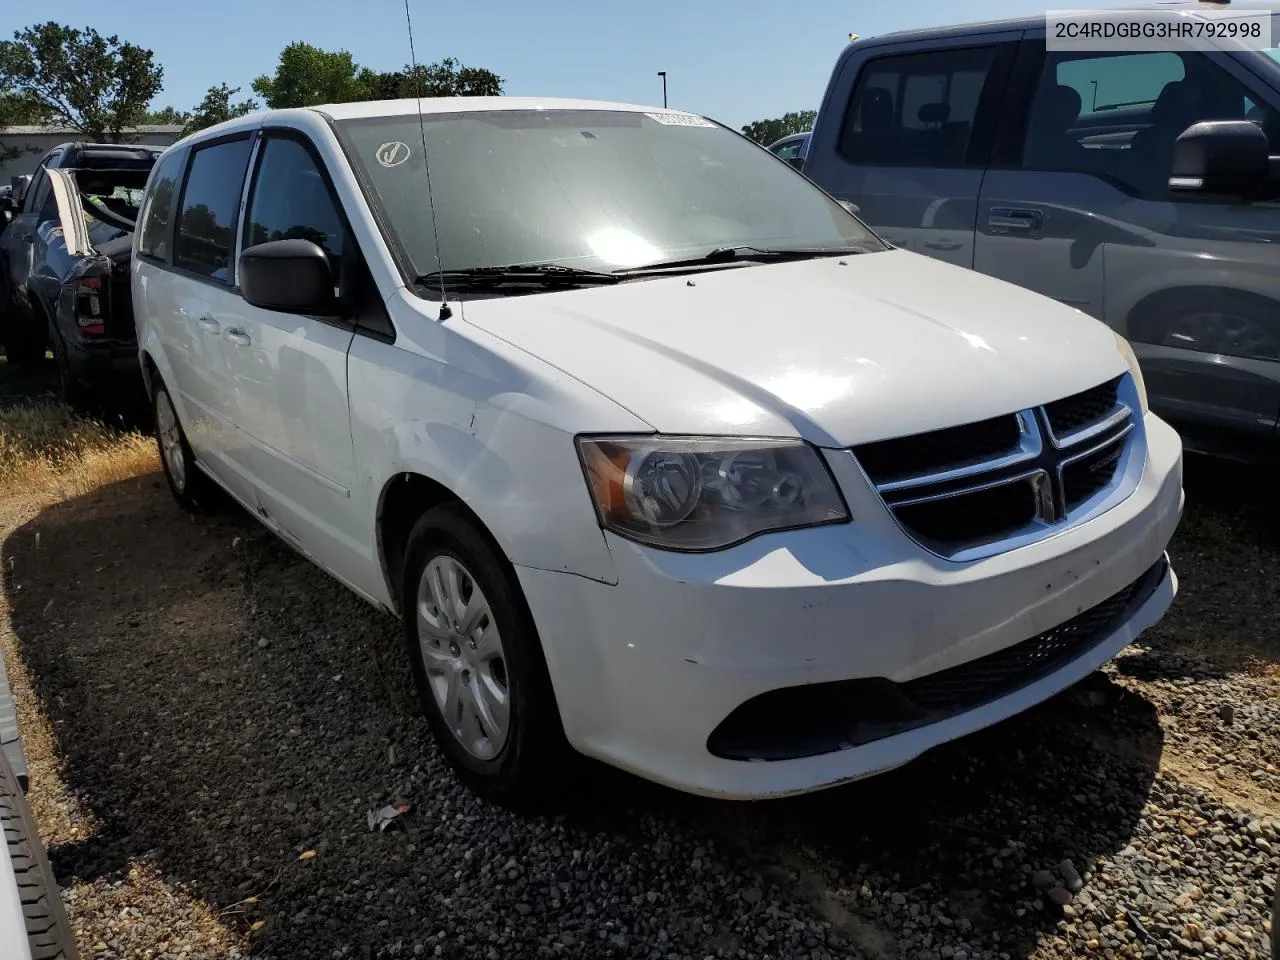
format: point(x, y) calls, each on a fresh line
point(645, 670)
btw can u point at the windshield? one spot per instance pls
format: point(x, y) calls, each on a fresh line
point(591, 189)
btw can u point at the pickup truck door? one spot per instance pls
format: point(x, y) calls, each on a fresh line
point(21, 233)
point(905, 133)
point(1076, 206)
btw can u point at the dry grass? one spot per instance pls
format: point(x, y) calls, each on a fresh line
point(48, 452)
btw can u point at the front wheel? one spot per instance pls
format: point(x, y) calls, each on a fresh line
point(478, 663)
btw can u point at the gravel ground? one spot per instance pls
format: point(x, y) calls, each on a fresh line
point(210, 718)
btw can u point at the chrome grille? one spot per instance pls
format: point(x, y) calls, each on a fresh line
point(973, 490)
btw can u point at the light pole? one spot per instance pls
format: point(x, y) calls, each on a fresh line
point(663, 75)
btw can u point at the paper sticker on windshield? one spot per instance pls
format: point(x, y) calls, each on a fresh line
point(392, 154)
point(680, 120)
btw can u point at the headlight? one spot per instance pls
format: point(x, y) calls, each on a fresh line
point(1123, 346)
point(694, 493)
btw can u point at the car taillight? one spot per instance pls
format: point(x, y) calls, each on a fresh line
point(91, 308)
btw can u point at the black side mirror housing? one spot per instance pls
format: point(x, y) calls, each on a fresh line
point(289, 276)
point(1221, 157)
point(797, 162)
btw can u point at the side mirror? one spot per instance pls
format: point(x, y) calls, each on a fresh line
point(1221, 157)
point(20, 185)
point(290, 276)
point(797, 162)
point(850, 206)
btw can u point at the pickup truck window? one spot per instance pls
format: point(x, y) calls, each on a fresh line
point(157, 212)
point(594, 189)
point(916, 109)
point(210, 208)
point(1116, 116)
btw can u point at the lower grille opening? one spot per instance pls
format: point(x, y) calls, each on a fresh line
point(814, 719)
point(976, 517)
point(1080, 410)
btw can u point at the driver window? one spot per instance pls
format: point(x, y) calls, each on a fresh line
point(37, 191)
point(291, 200)
point(1117, 116)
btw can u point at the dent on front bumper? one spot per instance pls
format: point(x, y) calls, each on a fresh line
point(646, 670)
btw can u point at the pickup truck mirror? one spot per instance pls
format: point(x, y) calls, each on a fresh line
point(290, 276)
point(850, 206)
point(1223, 157)
point(20, 185)
point(797, 162)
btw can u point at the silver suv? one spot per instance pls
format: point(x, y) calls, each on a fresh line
point(1051, 169)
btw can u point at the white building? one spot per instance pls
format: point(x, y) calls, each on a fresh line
point(36, 141)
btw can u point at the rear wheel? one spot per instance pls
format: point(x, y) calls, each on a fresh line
point(478, 663)
point(187, 482)
point(74, 393)
point(25, 343)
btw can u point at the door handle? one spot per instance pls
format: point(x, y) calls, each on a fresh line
point(1010, 220)
point(28, 238)
point(209, 324)
point(945, 245)
point(238, 337)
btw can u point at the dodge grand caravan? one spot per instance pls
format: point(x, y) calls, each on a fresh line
point(657, 451)
point(1050, 168)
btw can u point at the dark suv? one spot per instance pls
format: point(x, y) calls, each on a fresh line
point(64, 266)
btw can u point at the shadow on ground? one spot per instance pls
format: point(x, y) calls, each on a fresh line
point(223, 706)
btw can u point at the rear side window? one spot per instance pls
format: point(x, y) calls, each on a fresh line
point(917, 109)
point(210, 206)
point(157, 209)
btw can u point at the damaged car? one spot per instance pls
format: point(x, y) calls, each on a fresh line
point(66, 270)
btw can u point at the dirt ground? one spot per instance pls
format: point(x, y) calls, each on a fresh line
point(208, 718)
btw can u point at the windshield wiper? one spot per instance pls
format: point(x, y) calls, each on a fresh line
point(516, 275)
point(744, 254)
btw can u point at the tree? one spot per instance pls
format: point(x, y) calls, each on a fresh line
point(217, 107)
point(97, 85)
point(170, 116)
point(767, 131)
point(307, 75)
point(448, 78)
point(16, 109)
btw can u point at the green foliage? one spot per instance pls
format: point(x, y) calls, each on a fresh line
point(217, 107)
point(169, 116)
point(767, 131)
point(307, 75)
point(18, 109)
point(78, 78)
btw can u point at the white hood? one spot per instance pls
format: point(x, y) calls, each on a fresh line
point(839, 351)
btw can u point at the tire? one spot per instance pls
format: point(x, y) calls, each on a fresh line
point(193, 490)
point(48, 932)
point(75, 394)
point(25, 343)
point(517, 766)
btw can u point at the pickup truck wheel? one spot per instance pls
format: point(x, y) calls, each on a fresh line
point(48, 932)
point(24, 343)
point(478, 663)
point(74, 393)
point(190, 487)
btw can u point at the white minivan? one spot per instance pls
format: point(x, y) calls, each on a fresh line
point(658, 452)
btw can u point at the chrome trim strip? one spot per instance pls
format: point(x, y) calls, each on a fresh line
point(1119, 414)
point(1029, 446)
point(976, 488)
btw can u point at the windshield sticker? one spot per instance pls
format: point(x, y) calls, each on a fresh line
point(680, 120)
point(392, 154)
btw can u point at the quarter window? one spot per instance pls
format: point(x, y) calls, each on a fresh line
point(210, 204)
point(917, 109)
point(291, 200)
point(157, 210)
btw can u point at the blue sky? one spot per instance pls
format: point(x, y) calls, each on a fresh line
point(735, 60)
